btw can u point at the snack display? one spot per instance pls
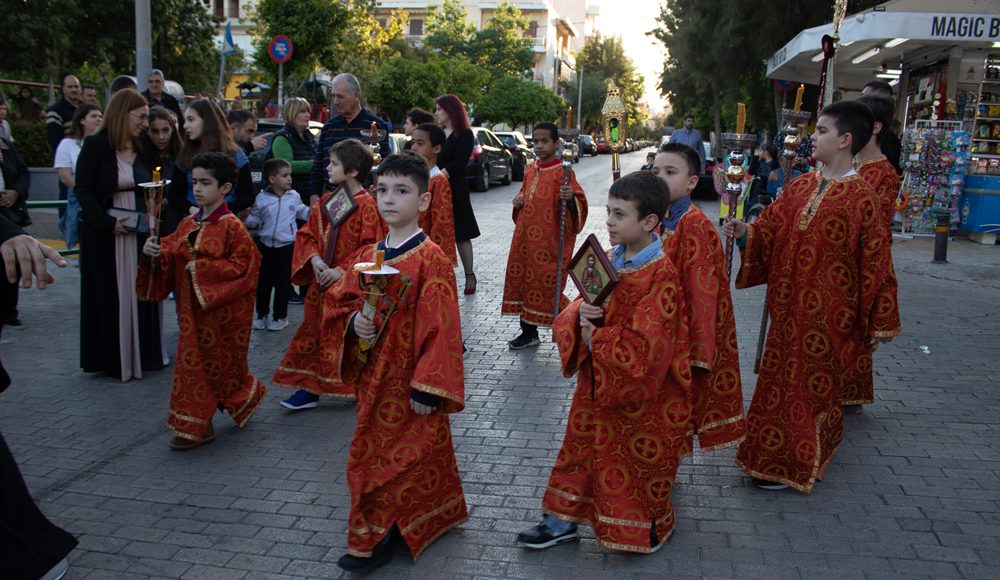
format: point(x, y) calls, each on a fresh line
point(934, 160)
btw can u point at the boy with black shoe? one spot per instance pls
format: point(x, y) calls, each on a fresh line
point(530, 284)
point(403, 354)
point(627, 433)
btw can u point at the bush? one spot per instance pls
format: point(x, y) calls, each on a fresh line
point(31, 143)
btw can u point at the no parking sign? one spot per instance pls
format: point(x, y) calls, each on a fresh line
point(280, 49)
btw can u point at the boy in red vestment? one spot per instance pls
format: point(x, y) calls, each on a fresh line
point(824, 253)
point(692, 243)
point(438, 222)
point(401, 470)
point(630, 420)
point(875, 168)
point(530, 283)
point(210, 263)
point(308, 362)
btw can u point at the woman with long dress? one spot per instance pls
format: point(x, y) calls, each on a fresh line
point(451, 116)
point(119, 334)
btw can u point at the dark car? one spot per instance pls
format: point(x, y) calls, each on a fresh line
point(587, 145)
point(490, 161)
point(520, 151)
point(603, 146)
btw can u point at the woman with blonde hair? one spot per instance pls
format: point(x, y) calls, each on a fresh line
point(206, 130)
point(119, 334)
point(295, 144)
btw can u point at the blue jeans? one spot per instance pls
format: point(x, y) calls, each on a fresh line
point(68, 220)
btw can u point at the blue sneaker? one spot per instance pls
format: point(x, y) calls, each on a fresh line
point(301, 400)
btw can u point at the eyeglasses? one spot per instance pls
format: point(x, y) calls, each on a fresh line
point(140, 116)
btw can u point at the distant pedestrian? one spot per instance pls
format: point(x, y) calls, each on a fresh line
point(438, 222)
point(157, 96)
point(88, 94)
point(691, 137)
point(414, 118)
point(15, 182)
point(649, 161)
point(57, 120)
point(28, 108)
point(451, 115)
point(161, 146)
point(86, 122)
point(243, 124)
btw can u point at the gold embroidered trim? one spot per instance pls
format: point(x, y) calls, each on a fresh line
point(885, 333)
point(408, 253)
point(858, 402)
point(817, 468)
point(631, 523)
point(435, 391)
point(195, 285)
point(359, 554)
point(307, 373)
point(615, 545)
point(644, 266)
point(189, 418)
point(721, 422)
point(568, 495)
point(860, 164)
point(812, 205)
point(368, 529)
point(522, 310)
point(701, 365)
point(238, 415)
point(441, 508)
point(725, 445)
point(186, 436)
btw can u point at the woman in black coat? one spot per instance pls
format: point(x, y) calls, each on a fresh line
point(451, 116)
point(119, 334)
point(14, 186)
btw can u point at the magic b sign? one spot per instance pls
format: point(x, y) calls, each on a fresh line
point(966, 27)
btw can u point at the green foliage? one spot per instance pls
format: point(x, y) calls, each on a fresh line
point(184, 46)
point(604, 59)
point(317, 28)
point(518, 102)
point(500, 47)
point(31, 143)
point(447, 28)
point(401, 83)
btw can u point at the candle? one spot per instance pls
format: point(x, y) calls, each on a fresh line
point(798, 98)
point(156, 175)
point(741, 117)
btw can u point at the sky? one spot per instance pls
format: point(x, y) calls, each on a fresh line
point(645, 51)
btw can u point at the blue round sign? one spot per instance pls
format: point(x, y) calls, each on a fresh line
point(280, 49)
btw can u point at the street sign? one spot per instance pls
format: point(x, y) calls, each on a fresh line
point(280, 49)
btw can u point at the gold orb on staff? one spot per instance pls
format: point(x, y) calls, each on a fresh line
point(615, 117)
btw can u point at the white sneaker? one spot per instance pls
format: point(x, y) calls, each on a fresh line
point(259, 323)
point(280, 324)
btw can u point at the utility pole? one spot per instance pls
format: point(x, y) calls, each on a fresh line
point(143, 44)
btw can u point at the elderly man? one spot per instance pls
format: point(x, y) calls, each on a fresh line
point(691, 137)
point(156, 96)
point(349, 119)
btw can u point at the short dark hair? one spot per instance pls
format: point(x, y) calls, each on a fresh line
point(273, 165)
point(355, 156)
point(771, 150)
point(419, 116)
point(550, 127)
point(220, 165)
point(881, 108)
point(85, 87)
point(407, 164)
point(880, 89)
point(854, 118)
point(686, 117)
point(240, 116)
point(649, 192)
point(434, 132)
point(690, 156)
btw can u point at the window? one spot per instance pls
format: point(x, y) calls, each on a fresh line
point(382, 22)
point(417, 27)
point(532, 30)
point(234, 9)
point(220, 8)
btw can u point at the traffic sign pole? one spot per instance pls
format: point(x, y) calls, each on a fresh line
point(281, 86)
point(280, 51)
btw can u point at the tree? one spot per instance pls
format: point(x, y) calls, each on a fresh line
point(367, 43)
point(448, 31)
point(318, 30)
point(604, 59)
point(402, 83)
point(501, 46)
point(184, 44)
point(518, 102)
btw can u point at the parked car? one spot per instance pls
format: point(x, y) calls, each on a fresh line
point(602, 145)
point(587, 145)
point(520, 151)
point(490, 161)
point(706, 182)
point(396, 142)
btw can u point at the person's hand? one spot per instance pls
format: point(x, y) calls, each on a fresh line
point(328, 276)
point(587, 329)
point(518, 201)
point(420, 408)
point(734, 228)
point(364, 327)
point(30, 254)
point(590, 312)
point(565, 192)
point(243, 215)
point(260, 141)
point(8, 197)
point(152, 247)
point(120, 226)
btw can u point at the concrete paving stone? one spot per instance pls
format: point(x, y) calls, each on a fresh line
point(258, 563)
point(297, 551)
point(978, 571)
point(204, 556)
point(242, 545)
point(933, 569)
point(144, 567)
point(202, 572)
point(313, 569)
point(946, 554)
point(107, 544)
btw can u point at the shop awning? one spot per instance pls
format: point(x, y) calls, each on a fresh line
point(899, 31)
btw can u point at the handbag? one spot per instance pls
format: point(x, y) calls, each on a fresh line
point(17, 214)
point(135, 221)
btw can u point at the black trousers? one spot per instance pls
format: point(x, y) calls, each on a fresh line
point(8, 298)
point(276, 275)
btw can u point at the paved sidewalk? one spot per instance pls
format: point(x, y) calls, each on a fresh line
point(912, 492)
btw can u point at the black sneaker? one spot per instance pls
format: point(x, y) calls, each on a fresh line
point(380, 555)
point(523, 340)
point(768, 485)
point(853, 409)
point(296, 299)
point(541, 537)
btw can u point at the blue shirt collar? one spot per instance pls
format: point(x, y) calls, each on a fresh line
point(641, 258)
point(675, 210)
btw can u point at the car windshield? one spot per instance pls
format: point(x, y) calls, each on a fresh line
point(586, 139)
point(508, 140)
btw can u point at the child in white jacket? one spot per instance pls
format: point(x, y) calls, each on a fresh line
point(274, 213)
